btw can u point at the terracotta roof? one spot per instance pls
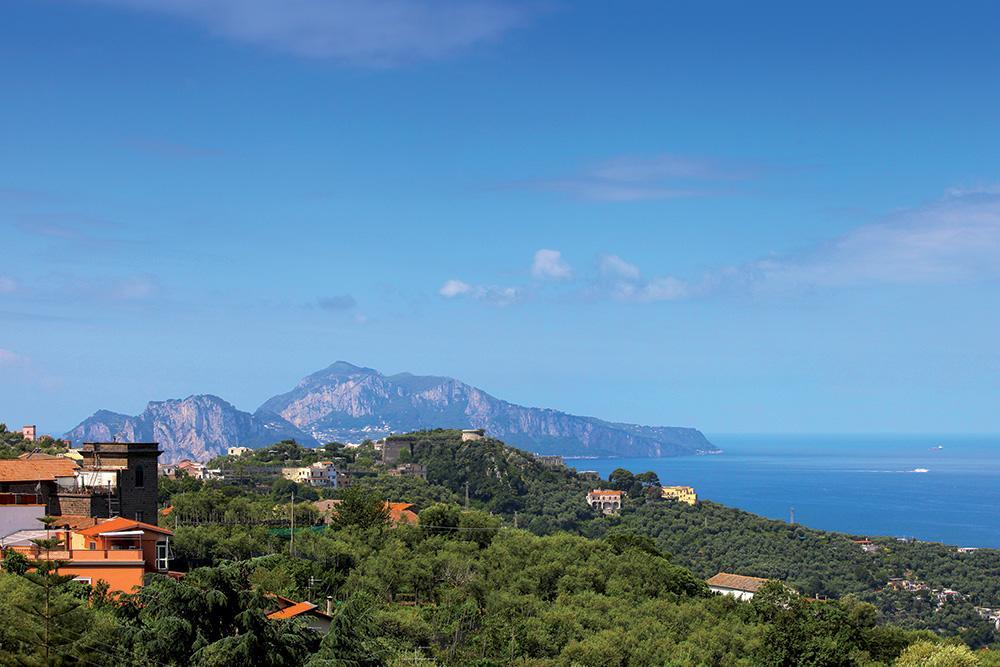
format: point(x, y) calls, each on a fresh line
point(401, 513)
point(296, 609)
point(121, 523)
point(36, 470)
point(737, 582)
point(606, 492)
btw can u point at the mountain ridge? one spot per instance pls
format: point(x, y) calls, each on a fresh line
point(347, 403)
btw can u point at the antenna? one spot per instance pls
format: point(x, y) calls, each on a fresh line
point(291, 543)
point(792, 516)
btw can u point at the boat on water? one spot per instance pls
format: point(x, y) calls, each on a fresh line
point(920, 470)
point(937, 448)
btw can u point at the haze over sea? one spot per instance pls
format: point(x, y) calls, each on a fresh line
point(864, 485)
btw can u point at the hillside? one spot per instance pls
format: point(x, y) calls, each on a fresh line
point(348, 403)
point(710, 537)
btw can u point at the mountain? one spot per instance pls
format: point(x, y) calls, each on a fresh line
point(348, 403)
point(345, 402)
point(197, 427)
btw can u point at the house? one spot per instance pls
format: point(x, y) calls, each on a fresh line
point(736, 585)
point(36, 479)
point(309, 613)
point(399, 513)
point(609, 502)
point(119, 551)
point(473, 434)
point(111, 479)
point(408, 470)
point(552, 461)
point(190, 468)
point(682, 494)
point(866, 545)
point(320, 474)
point(237, 451)
point(29, 432)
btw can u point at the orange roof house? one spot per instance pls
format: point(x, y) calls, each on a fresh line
point(13, 471)
point(118, 551)
point(398, 512)
point(314, 618)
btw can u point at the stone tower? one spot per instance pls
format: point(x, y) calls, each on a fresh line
point(127, 472)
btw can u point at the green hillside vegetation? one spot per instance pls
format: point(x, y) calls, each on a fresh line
point(567, 586)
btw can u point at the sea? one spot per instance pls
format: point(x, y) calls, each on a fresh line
point(931, 488)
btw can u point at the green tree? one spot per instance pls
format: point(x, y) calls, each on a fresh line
point(360, 508)
point(926, 654)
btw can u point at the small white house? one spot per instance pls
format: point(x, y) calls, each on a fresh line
point(237, 451)
point(736, 585)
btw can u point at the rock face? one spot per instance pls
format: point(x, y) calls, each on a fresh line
point(197, 427)
point(348, 403)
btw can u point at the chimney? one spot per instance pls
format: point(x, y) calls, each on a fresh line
point(329, 605)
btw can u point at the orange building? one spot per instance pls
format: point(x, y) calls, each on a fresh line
point(118, 551)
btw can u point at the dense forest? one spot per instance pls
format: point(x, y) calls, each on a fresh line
point(508, 565)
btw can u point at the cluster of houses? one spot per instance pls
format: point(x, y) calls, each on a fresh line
point(99, 506)
point(610, 501)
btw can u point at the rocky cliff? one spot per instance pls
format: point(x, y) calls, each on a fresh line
point(348, 403)
point(197, 427)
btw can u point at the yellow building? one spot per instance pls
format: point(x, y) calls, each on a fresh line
point(684, 494)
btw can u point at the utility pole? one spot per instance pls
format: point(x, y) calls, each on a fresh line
point(291, 542)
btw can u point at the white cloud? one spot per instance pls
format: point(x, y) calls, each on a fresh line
point(453, 288)
point(614, 266)
point(498, 296)
point(954, 240)
point(365, 32)
point(549, 264)
point(7, 285)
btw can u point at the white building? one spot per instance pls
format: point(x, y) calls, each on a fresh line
point(321, 473)
point(237, 451)
point(736, 585)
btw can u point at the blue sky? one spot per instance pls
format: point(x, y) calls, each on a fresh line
point(756, 217)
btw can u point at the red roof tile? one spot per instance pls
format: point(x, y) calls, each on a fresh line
point(36, 470)
point(121, 523)
point(296, 609)
point(737, 582)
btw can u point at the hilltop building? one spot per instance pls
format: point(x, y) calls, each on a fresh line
point(472, 434)
point(609, 502)
point(408, 470)
point(319, 474)
point(238, 451)
point(552, 461)
point(682, 494)
point(736, 585)
point(29, 432)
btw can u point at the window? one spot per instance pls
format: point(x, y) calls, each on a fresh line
point(83, 580)
point(162, 556)
point(140, 477)
point(93, 546)
point(138, 516)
